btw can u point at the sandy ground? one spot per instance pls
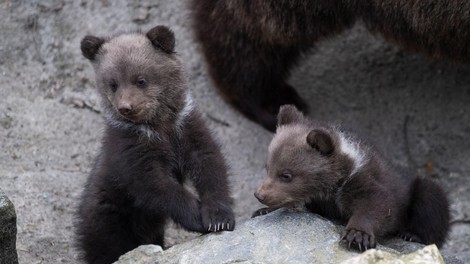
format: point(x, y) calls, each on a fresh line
point(417, 112)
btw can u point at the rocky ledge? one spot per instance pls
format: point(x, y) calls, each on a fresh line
point(284, 237)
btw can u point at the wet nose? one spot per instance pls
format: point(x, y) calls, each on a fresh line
point(259, 196)
point(125, 108)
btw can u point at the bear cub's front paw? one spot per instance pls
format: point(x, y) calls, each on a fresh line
point(218, 217)
point(358, 238)
point(409, 236)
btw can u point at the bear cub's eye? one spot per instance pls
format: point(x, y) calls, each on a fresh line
point(113, 85)
point(141, 83)
point(285, 177)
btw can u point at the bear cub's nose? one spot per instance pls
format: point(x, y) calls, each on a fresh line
point(125, 108)
point(259, 196)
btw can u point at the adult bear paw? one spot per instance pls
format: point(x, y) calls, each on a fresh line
point(217, 217)
point(266, 112)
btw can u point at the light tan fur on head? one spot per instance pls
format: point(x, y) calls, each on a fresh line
point(127, 58)
point(305, 161)
point(140, 78)
point(287, 140)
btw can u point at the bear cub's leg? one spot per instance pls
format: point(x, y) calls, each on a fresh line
point(428, 214)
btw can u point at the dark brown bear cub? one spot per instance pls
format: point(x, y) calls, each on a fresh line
point(154, 141)
point(333, 174)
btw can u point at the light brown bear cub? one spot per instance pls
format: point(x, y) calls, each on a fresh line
point(155, 140)
point(331, 173)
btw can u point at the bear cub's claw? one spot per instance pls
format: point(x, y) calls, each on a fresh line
point(217, 218)
point(262, 211)
point(358, 238)
point(410, 237)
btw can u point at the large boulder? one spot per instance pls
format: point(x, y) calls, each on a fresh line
point(280, 237)
point(7, 231)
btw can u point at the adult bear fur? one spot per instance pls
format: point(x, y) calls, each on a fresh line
point(333, 174)
point(251, 46)
point(155, 140)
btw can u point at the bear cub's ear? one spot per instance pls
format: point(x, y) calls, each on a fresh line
point(288, 114)
point(321, 141)
point(90, 46)
point(162, 38)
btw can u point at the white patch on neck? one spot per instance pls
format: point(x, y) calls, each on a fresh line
point(185, 113)
point(353, 150)
point(141, 129)
point(145, 130)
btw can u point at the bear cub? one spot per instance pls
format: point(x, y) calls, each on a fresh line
point(339, 177)
point(154, 141)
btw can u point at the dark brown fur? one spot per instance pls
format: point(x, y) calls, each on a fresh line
point(250, 46)
point(153, 143)
point(341, 178)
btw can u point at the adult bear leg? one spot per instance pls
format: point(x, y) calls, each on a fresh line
point(252, 75)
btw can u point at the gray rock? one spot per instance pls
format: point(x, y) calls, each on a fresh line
point(7, 231)
point(142, 254)
point(279, 237)
point(429, 254)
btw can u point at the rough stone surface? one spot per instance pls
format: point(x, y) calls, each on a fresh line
point(416, 111)
point(429, 254)
point(280, 237)
point(142, 254)
point(8, 253)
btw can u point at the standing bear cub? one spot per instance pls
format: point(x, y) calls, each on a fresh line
point(154, 141)
point(338, 177)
